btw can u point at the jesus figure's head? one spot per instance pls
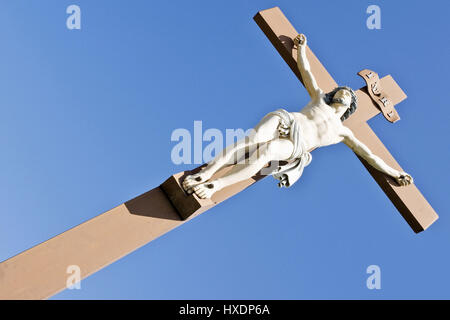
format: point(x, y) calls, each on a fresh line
point(342, 97)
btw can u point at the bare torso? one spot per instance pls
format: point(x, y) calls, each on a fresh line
point(319, 124)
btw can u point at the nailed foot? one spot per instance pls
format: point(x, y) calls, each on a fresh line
point(207, 189)
point(192, 180)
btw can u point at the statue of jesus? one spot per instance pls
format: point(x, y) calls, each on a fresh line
point(288, 137)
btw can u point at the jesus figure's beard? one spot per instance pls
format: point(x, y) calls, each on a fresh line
point(338, 100)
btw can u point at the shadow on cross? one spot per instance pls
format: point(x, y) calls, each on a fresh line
point(153, 203)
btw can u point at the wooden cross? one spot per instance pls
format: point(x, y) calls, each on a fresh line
point(408, 200)
point(41, 271)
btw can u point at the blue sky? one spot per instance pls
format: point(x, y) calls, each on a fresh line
point(87, 116)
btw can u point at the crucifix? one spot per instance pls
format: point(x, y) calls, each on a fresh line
point(42, 271)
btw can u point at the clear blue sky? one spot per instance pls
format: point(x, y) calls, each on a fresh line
point(87, 115)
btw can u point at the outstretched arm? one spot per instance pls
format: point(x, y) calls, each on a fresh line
point(402, 178)
point(303, 65)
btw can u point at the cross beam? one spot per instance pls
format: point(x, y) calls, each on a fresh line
point(41, 271)
point(408, 200)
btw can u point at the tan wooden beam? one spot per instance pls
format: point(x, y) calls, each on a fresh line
point(41, 271)
point(408, 200)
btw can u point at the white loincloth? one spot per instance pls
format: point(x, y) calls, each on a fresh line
point(289, 173)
